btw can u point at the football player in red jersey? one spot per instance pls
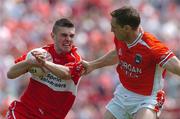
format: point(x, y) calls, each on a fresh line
point(142, 60)
point(52, 95)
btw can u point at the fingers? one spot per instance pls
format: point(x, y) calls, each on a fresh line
point(86, 67)
point(39, 57)
point(84, 63)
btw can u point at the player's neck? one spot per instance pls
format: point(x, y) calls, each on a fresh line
point(58, 51)
point(131, 37)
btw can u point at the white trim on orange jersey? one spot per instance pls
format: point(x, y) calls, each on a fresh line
point(165, 59)
point(135, 41)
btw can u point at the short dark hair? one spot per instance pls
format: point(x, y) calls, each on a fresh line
point(63, 22)
point(127, 15)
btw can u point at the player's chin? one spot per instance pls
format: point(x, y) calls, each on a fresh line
point(67, 49)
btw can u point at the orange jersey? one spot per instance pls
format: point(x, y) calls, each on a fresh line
point(141, 63)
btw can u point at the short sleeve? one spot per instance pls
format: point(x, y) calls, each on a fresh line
point(161, 53)
point(21, 58)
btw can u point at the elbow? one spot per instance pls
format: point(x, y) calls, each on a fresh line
point(10, 75)
point(66, 76)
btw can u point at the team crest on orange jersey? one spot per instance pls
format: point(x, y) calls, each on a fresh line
point(138, 58)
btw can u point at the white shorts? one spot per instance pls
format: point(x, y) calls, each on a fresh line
point(126, 103)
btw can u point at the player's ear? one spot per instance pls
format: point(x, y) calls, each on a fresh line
point(127, 28)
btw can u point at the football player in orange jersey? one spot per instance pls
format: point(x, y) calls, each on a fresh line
point(141, 62)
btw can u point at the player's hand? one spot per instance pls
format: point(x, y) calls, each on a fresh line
point(39, 57)
point(87, 67)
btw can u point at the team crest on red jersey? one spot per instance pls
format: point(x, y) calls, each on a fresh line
point(138, 58)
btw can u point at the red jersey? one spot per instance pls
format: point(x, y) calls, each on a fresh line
point(141, 63)
point(50, 97)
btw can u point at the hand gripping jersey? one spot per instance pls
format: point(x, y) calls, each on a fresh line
point(50, 97)
point(141, 64)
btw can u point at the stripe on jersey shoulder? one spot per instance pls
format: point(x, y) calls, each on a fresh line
point(142, 42)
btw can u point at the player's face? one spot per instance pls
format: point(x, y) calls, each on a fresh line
point(63, 39)
point(119, 31)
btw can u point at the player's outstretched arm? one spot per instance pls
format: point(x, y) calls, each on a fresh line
point(173, 65)
point(108, 59)
point(20, 68)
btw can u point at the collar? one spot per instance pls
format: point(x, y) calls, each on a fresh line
point(135, 41)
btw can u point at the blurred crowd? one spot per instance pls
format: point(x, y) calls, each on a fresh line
point(26, 24)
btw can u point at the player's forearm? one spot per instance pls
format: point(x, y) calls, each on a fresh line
point(173, 65)
point(176, 69)
point(18, 69)
point(107, 60)
point(58, 70)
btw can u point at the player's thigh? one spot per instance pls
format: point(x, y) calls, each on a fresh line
point(108, 115)
point(145, 113)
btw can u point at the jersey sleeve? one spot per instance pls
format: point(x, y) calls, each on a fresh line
point(28, 55)
point(161, 53)
point(21, 58)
